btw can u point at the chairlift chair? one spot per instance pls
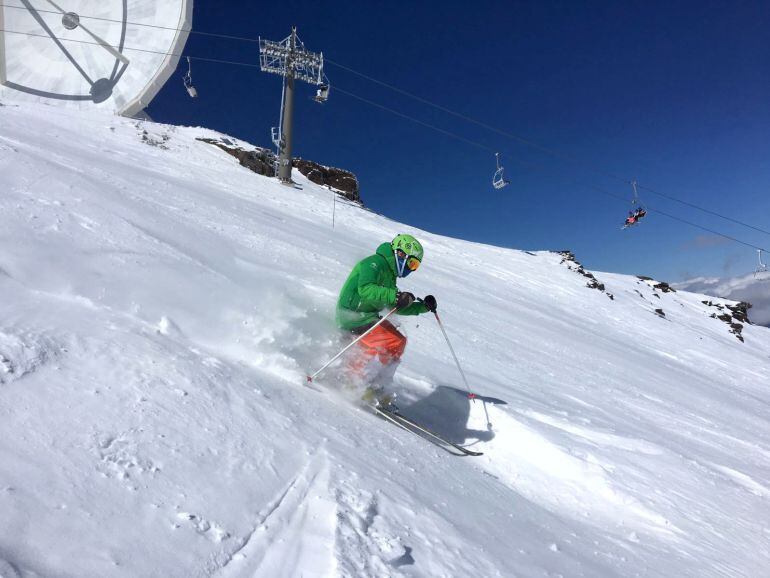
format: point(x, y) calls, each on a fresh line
point(639, 212)
point(322, 94)
point(498, 181)
point(191, 90)
point(761, 267)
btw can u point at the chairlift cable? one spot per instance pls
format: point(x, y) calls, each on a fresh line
point(708, 211)
point(143, 24)
point(670, 216)
point(525, 141)
point(532, 144)
point(594, 187)
point(416, 120)
point(144, 50)
point(433, 127)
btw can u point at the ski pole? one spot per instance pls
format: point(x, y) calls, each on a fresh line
point(471, 396)
point(441, 325)
point(310, 378)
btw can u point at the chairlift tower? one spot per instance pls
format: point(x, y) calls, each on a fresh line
point(290, 59)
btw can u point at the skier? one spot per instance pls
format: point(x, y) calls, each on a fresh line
point(370, 288)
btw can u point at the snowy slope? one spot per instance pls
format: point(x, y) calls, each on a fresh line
point(753, 288)
point(161, 306)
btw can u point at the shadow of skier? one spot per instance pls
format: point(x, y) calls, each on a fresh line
point(446, 411)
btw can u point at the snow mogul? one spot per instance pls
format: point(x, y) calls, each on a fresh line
point(369, 289)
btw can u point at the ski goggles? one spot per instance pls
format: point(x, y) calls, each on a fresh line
point(412, 263)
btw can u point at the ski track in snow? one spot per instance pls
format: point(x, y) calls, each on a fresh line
point(294, 532)
point(162, 306)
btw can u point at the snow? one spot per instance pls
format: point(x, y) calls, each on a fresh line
point(162, 306)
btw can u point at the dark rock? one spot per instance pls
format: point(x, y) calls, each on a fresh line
point(664, 287)
point(660, 313)
point(339, 179)
point(567, 255)
point(661, 286)
point(574, 265)
point(260, 160)
point(741, 311)
point(738, 314)
point(155, 140)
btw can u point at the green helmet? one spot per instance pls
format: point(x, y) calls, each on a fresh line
point(408, 245)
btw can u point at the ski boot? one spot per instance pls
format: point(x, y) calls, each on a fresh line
point(376, 396)
point(386, 401)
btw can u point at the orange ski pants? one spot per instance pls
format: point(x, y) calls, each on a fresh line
point(385, 342)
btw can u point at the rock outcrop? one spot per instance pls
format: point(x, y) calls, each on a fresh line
point(259, 160)
point(573, 264)
point(735, 316)
point(262, 162)
point(340, 180)
point(661, 286)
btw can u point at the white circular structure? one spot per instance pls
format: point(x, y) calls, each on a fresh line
point(114, 54)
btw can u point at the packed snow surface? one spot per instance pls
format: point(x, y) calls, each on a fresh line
point(162, 306)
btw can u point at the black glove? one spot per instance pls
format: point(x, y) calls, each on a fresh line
point(430, 303)
point(404, 299)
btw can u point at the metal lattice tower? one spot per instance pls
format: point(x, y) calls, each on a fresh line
point(290, 59)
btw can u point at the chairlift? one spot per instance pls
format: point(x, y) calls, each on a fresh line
point(639, 212)
point(498, 181)
point(191, 90)
point(761, 267)
point(322, 94)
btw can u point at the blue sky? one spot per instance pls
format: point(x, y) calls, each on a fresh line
point(673, 94)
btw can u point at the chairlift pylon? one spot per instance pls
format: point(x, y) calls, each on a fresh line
point(191, 90)
point(498, 181)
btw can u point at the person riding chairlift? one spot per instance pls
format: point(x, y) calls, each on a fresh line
point(635, 216)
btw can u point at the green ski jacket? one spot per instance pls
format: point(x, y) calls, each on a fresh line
point(370, 288)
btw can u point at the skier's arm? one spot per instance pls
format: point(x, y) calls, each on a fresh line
point(369, 289)
point(416, 308)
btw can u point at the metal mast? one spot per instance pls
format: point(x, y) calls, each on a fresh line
point(290, 59)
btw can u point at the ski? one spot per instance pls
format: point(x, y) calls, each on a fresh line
point(410, 425)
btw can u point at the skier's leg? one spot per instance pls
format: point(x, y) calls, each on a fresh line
point(386, 345)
